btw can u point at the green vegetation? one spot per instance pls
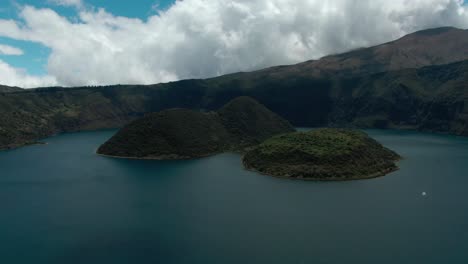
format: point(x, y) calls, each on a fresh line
point(9, 89)
point(323, 154)
point(322, 143)
point(377, 87)
point(185, 134)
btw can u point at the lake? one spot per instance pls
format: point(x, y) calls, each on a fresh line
point(62, 203)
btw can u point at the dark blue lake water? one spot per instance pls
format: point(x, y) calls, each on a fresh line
point(61, 203)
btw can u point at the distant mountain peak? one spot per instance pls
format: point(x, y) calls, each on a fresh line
point(427, 47)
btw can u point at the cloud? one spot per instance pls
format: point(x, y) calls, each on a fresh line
point(204, 38)
point(9, 50)
point(18, 77)
point(75, 3)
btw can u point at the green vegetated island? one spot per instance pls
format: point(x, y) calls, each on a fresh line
point(322, 154)
point(242, 125)
point(187, 134)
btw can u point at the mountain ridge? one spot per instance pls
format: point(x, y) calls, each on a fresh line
point(391, 55)
point(430, 98)
point(9, 89)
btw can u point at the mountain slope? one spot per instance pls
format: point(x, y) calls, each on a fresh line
point(424, 48)
point(359, 88)
point(8, 89)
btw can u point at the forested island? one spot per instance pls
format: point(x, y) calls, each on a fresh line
point(187, 134)
point(322, 154)
point(269, 143)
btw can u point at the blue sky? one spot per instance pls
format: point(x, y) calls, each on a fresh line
point(34, 59)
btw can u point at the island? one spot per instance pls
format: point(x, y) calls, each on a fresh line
point(187, 134)
point(323, 154)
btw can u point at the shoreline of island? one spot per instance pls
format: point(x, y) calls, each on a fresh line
point(330, 179)
point(159, 158)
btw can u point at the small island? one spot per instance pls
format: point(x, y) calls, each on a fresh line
point(188, 134)
point(269, 143)
point(323, 154)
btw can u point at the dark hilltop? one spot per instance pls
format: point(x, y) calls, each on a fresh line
point(187, 134)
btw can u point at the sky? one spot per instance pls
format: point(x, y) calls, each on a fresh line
point(102, 42)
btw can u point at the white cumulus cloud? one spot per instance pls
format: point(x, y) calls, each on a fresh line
point(18, 77)
point(9, 50)
point(76, 3)
point(204, 38)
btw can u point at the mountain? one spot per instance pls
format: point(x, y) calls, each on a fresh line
point(382, 86)
point(424, 48)
point(186, 134)
point(322, 154)
point(8, 89)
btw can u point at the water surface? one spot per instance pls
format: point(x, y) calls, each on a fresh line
point(61, 203)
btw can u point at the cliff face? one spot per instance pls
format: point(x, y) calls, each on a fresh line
point(323, 154)
point(350, 89)
point(184, 134)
